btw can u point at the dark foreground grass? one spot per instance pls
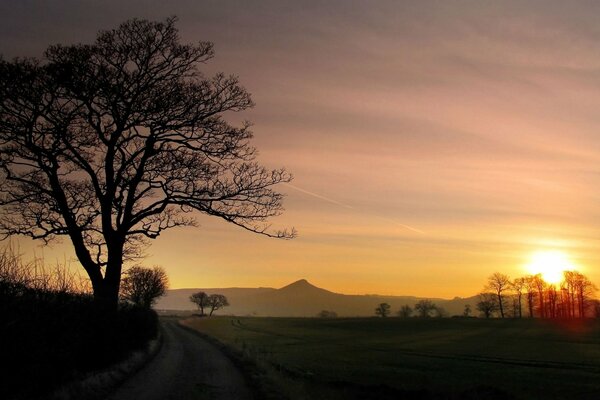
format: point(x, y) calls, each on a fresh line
point(366, 358)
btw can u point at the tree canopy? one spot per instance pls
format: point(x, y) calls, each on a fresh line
point(114, 142)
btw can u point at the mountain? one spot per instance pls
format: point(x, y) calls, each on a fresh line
point(301, 299)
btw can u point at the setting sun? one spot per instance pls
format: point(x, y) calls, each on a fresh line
point(551, 264)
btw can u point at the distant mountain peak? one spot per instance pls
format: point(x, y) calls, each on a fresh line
point(299, 283)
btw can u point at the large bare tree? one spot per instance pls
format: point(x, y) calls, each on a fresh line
point(114, 142)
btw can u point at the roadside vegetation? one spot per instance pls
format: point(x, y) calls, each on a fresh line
point(426, 358)
point(53, 331)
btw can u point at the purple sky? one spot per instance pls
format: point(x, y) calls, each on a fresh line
point(432, 143)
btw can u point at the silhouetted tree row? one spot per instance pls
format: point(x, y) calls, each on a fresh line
point(571, 298)
point(423, 308)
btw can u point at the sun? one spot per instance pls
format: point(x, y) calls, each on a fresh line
point(551, 264)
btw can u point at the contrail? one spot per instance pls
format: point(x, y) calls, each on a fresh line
point(329, 200)
point(318, 196)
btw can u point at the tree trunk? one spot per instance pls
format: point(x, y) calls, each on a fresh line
point(500, 305)
point(107, 293)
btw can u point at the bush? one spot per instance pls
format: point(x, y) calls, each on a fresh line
point(49, 336)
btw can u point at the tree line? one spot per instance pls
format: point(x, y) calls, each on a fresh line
point(423, 308)
point(531, 296)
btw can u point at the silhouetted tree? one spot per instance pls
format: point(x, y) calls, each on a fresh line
point(499, 283)
point(488, 304)
point(540, 286)
point(216, 302)
point(530, 288)
point(425, 307)
point(383, 310)
point(405, 311)
point(467, 310)
point(114, 142)
point(518, 285)
point(327, 314)
point(143, 286)
point(201, 300)
point(579, 289)
point(552, 296)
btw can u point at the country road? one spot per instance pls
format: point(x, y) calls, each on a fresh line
point(187, 367)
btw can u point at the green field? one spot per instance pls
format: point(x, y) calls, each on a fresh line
point(411, 358)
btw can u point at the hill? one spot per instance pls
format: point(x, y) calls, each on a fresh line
point(301, 299)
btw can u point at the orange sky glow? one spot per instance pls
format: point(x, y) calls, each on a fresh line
point(432, 143)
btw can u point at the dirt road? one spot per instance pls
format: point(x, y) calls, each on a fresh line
point(187, 367)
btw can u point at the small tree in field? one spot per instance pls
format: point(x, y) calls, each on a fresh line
point(467, 310)
point(425, 307)
point(200, 299)
point(114, 142)
point(216, 302)
point(405, 311)
point(143, 286)
point(383, 310)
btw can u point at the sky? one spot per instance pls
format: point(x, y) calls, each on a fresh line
point(432, 142)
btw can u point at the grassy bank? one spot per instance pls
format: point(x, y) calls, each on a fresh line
point(431, 358)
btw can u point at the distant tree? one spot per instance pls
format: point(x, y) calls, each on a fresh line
point(530, 291)
point(487, 304)
point(552, 303)
point(540, 286)
point(143, 286)
point(579, 289)
point(467, 310)
point(405, 311)
point(200, 299)
point(425, 307)
point(327, 314)
point(499, 283)
point(114, 142)
point(216, 302)
point(518, 285)
point(383, 310)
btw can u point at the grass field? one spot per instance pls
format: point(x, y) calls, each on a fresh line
point(412, 358)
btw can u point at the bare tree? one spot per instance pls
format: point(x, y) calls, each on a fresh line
point(530, 288)
point(499, 283)
point(143, 286)
point(383, 310)
point(201, 300)
point(467, 310)
point(518, 285)
point(425, 307)
point(114, 142)
point(540, 286)
point(579, 290)
point(487, 304)
point(405, 311)
point(216, 302)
